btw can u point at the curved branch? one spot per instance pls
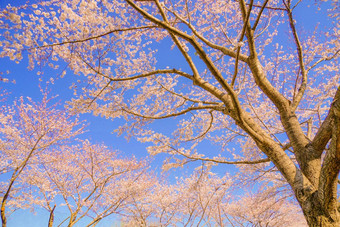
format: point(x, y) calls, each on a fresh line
point(206, 131)
point(94, 37)
point(214, 107)
point(221, 161)
point(159, 71)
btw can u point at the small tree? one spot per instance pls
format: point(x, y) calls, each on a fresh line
point(247, 77)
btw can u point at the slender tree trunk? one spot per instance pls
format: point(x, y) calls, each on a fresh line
point(3, 217)
point(3, 204)
point(51, 219)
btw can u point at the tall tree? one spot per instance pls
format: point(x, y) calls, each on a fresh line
point(26, 131)
point(245, 76)
point(91, 181)
point(42, 161)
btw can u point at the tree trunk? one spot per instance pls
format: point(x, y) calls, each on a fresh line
point(317, 215)
point(322, 221)
point(51, 219)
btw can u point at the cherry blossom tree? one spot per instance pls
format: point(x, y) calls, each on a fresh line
point(247, 76)
point(204, 199)
point(43, 162)
point(91, 180)
point(26, 131)
point(265, 208)
point(192, 200)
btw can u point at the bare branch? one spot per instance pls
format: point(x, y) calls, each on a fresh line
point(206, 131)
point(187, 98)
point(94, 37)
point(159, 71)
point(297, 98)
point(269, 7)
point(223, 49)
point(214, 107)
point(323, 59)
point(221, 161)
point(259, 15)
point(179, 45)
point(51, 218)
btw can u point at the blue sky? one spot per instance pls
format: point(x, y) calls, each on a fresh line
point(99, 129)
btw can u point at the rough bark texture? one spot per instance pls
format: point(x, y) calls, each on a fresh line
point(321, 208)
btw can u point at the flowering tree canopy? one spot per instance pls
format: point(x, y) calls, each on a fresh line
point(249, 76)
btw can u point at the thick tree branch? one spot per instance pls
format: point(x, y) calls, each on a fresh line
point(223, 49)
point(175, 31)
point(331, 166)
point(179, 45)
point(212, 68)
point(231, 101)
point(323, 135)
point(288, 118)
point(257, 70)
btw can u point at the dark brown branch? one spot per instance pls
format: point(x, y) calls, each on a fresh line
point(159, 71)
point(298, 97)
point(259, 15)
point(51, 219)
point(214, 107)
point(221, 161)
point(93, 37)
point(269, 7)
point(206, 131)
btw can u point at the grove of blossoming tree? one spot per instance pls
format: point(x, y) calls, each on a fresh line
point(44, 161)
point(250, 77)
